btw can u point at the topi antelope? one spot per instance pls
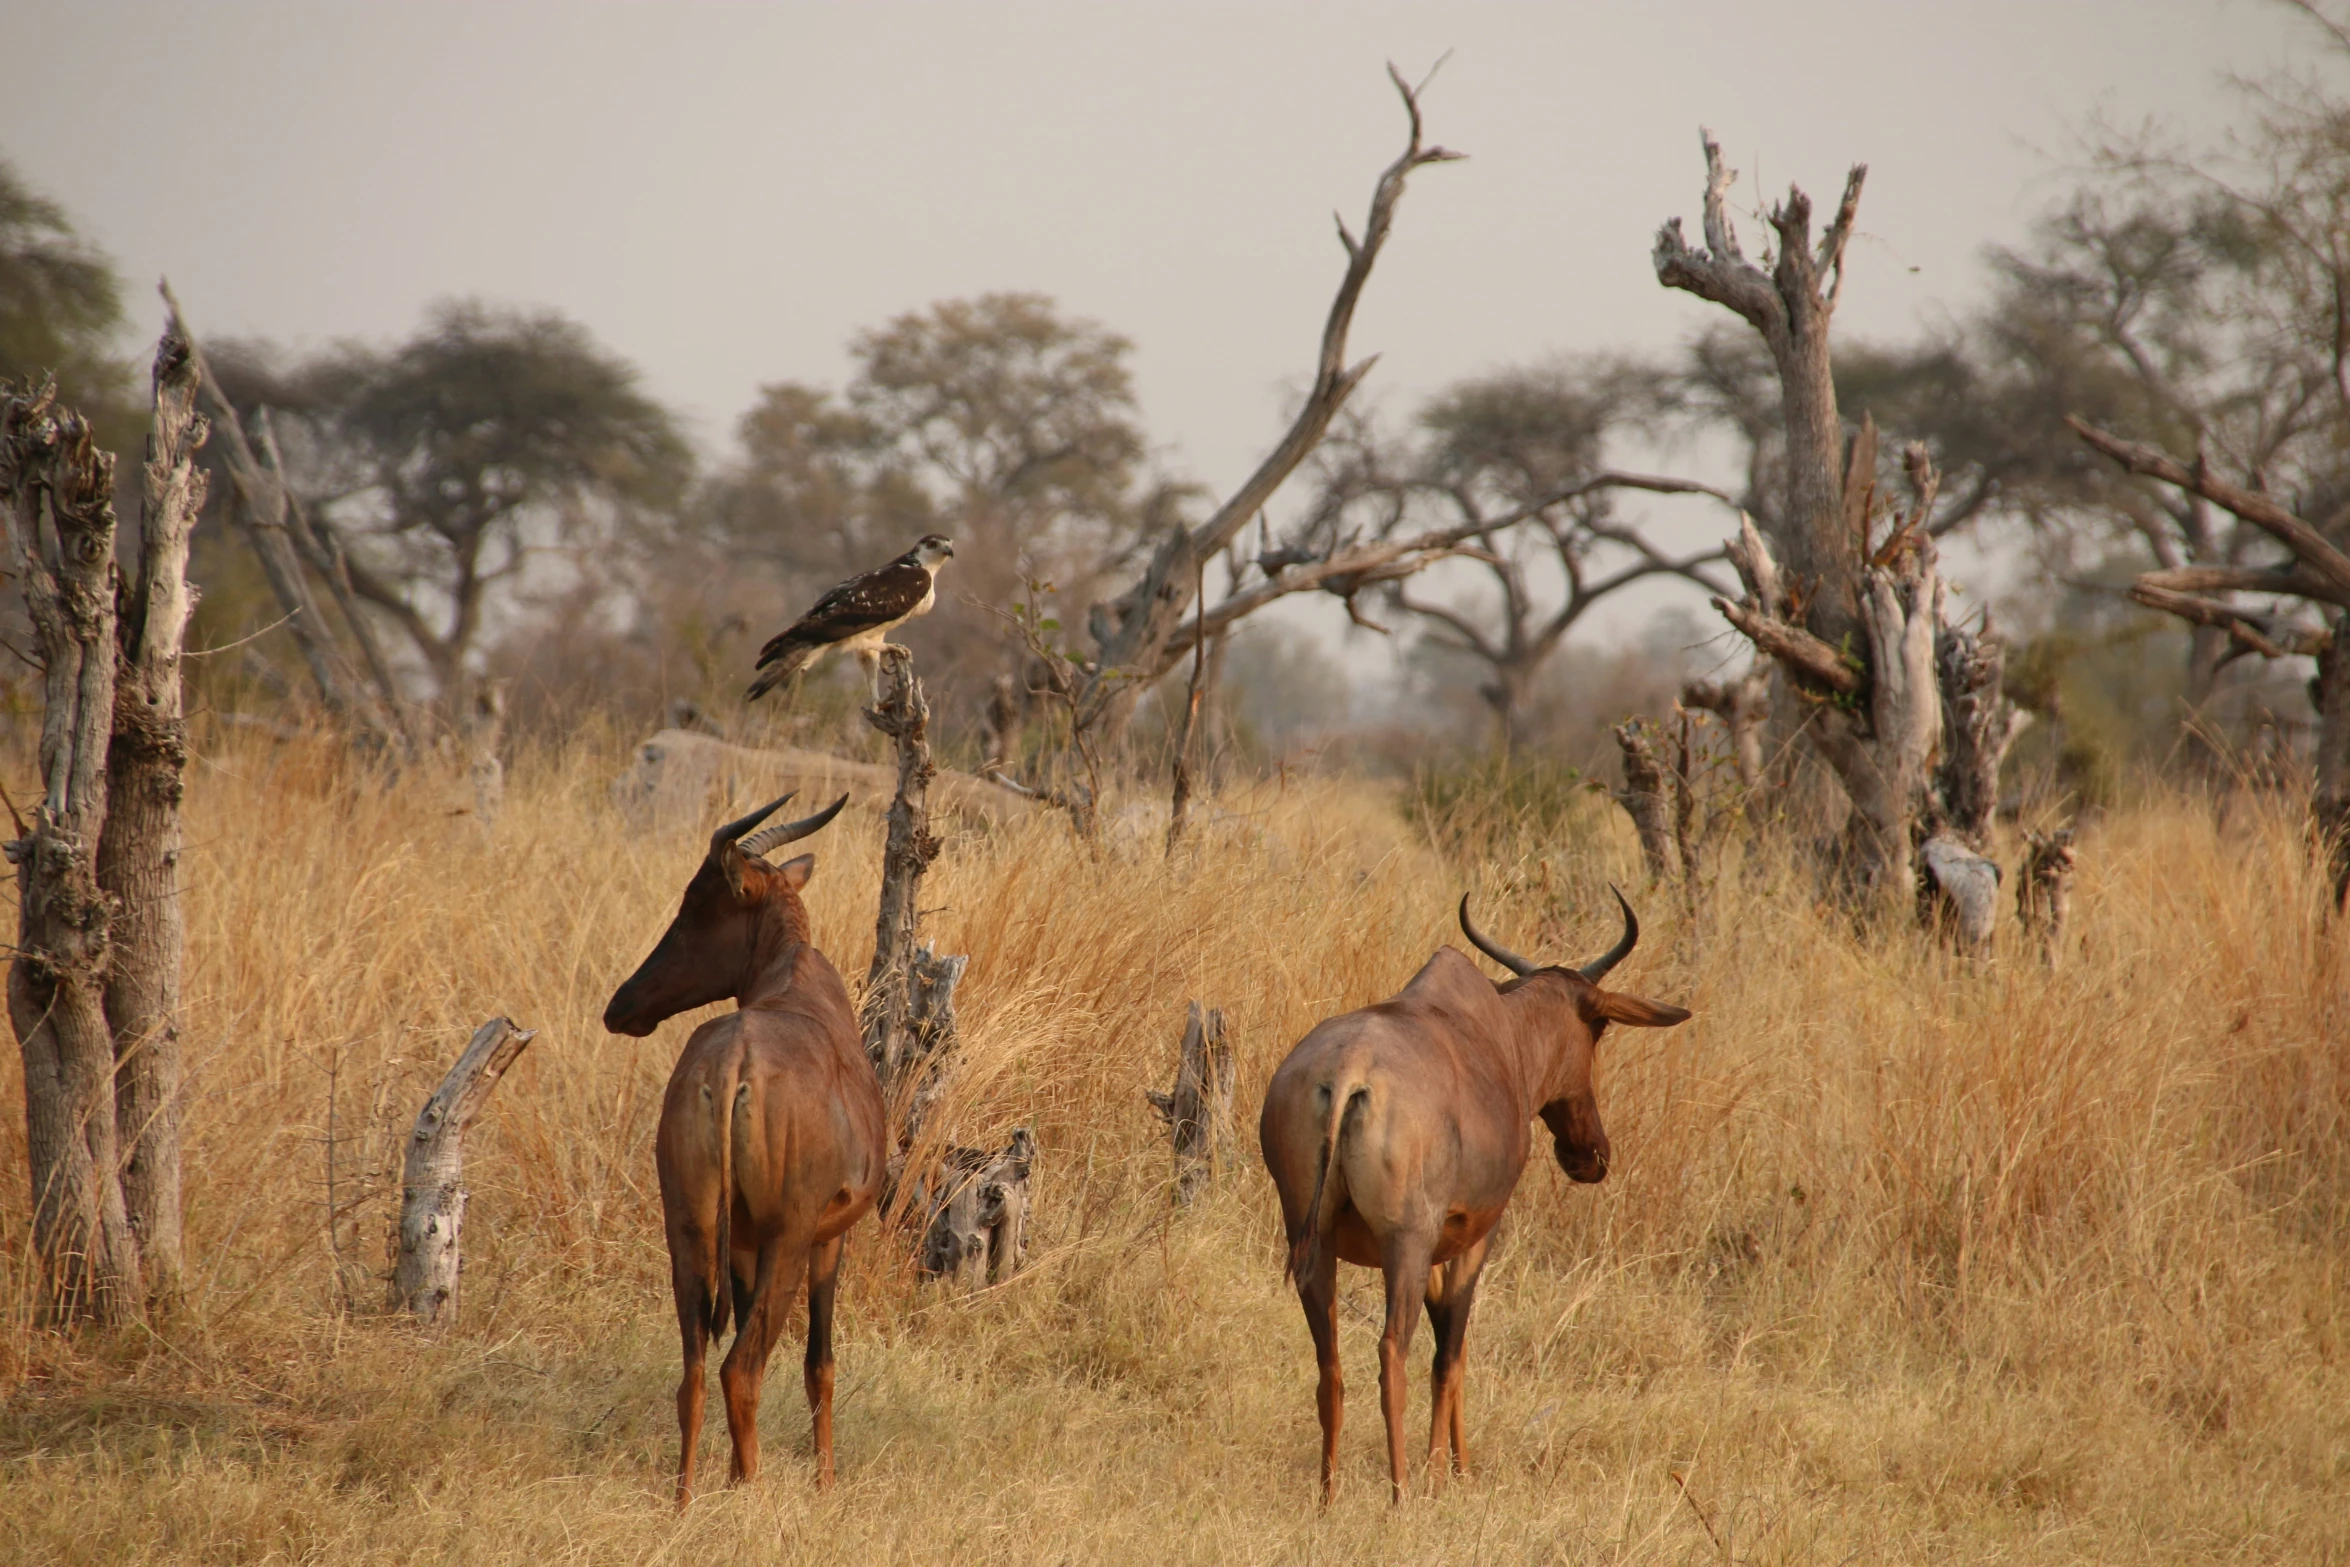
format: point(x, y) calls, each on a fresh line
point(1395, 1135)
point(772, 1139)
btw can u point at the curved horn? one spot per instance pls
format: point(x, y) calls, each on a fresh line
point(1501, 955)
point(781, 833)
point(726, 835)
point(1597, 968)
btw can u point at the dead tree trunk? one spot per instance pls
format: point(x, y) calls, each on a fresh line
point(138, 857)
point(1198, 1109)
point(56, 492)
point(1854, 624)
point(432, 1190)
point(977, 1232)
point(1645, 799)
point(907, 852)
point(484, 731)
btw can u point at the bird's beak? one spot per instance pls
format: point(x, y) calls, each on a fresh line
point(948, 550)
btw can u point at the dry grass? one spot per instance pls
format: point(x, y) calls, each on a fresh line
point(1900, 1260)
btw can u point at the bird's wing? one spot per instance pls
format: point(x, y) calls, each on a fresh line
point(881, 597)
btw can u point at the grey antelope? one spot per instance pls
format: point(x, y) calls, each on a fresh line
point(772, 1140)
point(1396, 1134)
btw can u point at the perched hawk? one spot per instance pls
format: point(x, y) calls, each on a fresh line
point(857, 615)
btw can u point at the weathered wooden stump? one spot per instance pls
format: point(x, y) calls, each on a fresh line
point(1966, 884)
point(2044, 890)
point(1198, 1109)
point(977, 1233)
point(1644, 798)
point(432, 1191)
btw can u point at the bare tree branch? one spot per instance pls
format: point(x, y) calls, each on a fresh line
point(2316, 552)
point(1794, 647)
point(2257, 633)
point(1145, 621)
point(2294, 581)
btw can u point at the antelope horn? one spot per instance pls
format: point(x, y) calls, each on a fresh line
point(781, 833)
point(1597, 968)
point(1501, 955)
point(724, 837)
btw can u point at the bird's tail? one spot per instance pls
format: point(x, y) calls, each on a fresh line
point(788, 661)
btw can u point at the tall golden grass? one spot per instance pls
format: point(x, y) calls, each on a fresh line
point(1901, 1258)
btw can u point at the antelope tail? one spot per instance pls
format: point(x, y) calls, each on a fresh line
point(1305, 1241)
point(722, 1276)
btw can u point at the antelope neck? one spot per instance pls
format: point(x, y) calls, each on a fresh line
point(1538, 1004)
point(775, 952)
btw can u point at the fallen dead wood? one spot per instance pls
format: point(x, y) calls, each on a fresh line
point(977, 1232)
point(672, 775)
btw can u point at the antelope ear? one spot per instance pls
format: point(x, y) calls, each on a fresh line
point(1635, 1012)
point(795, 872)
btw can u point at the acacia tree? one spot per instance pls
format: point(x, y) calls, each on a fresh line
point(1903, 706)
point(452, 461)
point(1512, 461)
point(61, 313)
point(997, 420)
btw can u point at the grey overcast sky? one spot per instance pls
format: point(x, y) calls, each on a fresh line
point(725, 193)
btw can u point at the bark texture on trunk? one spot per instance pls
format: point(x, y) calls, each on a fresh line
point(432, 1191)
point(1645, 798)
point(138, 858)
point(56, 492)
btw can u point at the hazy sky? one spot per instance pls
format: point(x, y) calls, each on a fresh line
point(725, 193)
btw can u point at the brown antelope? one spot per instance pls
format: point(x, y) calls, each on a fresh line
point(1395, 1135)
point(772, 1139)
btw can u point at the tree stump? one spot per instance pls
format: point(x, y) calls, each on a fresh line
point(483, 733)
point(432, 1193)
point(1198, 1109)
point(977, 1232)
point(2044, 890)
point(928, 1039)
point(1644, 798)
point(1964, 883)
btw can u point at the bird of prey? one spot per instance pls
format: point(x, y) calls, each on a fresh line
point(857, 615)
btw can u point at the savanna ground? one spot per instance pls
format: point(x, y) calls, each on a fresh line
point(1900, 1260)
